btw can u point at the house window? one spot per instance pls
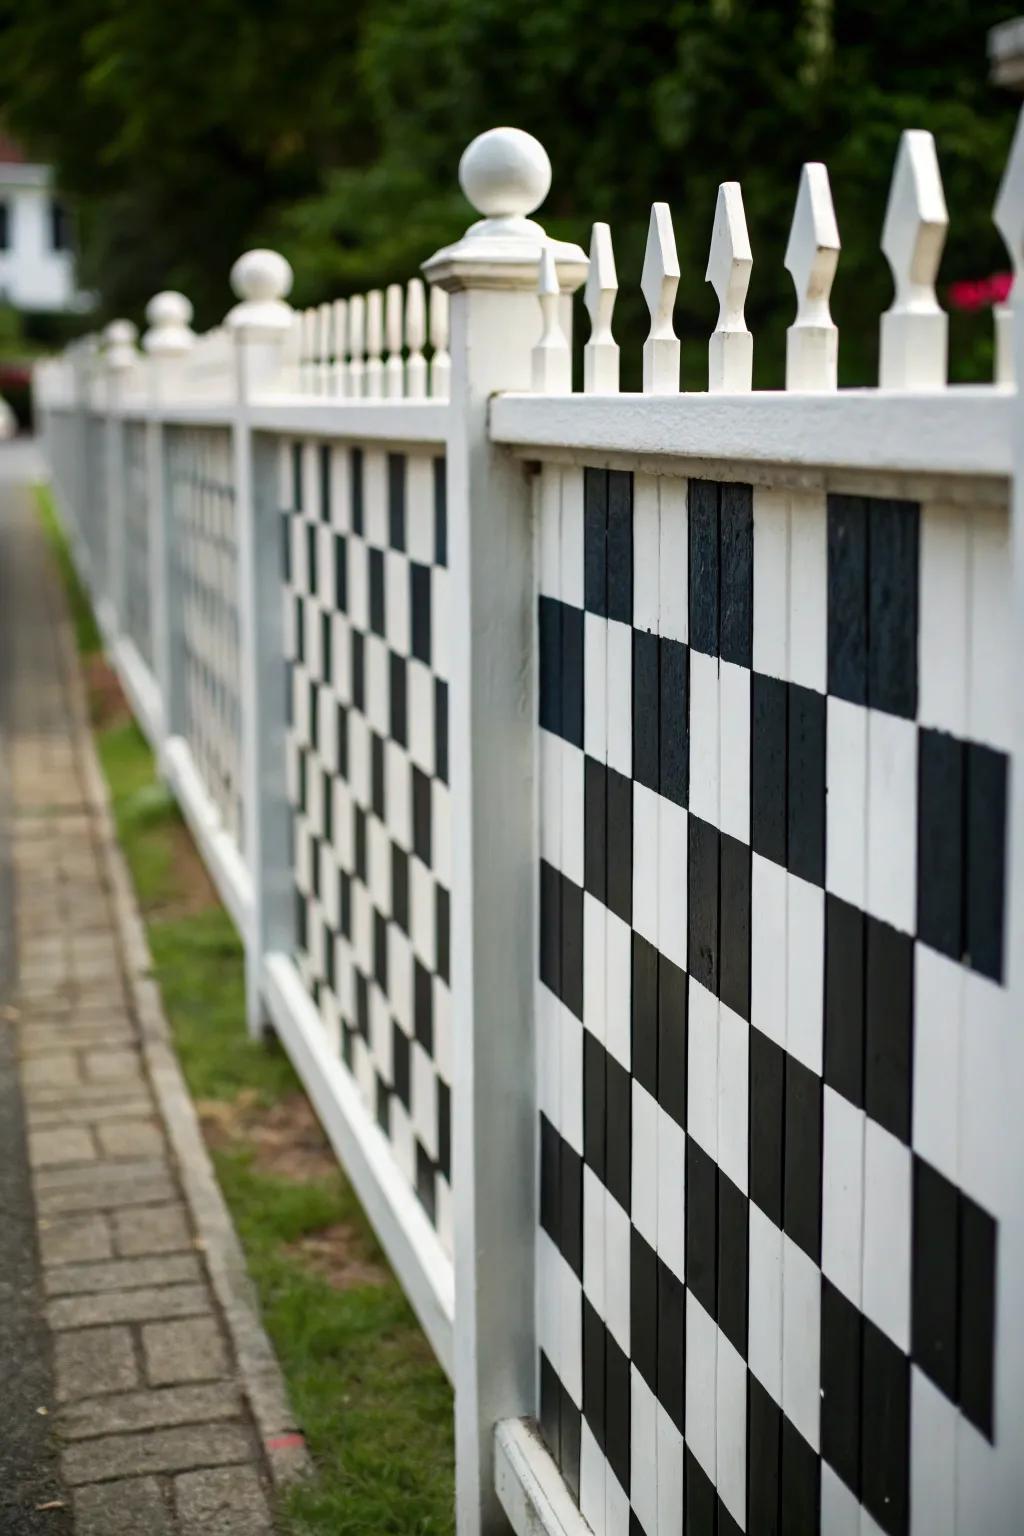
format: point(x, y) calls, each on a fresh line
point(60, 232)
point(5, 226)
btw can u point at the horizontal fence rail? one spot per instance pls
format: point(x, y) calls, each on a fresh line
point(617, 797)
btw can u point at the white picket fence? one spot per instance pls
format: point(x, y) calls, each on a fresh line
point(616, 797)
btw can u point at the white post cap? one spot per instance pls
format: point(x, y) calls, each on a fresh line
point(119, 339)
point(170, 332)
point(261, 279)
point(506, 175)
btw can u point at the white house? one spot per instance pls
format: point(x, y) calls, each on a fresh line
point(37, 266)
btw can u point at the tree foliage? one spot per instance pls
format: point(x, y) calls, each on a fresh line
point(334, 133)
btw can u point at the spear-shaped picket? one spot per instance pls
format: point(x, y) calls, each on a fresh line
point(914, 329)
point(658, 283)
point(601, 353)
point(552, 361)
point(812, 254)
point(731, 347)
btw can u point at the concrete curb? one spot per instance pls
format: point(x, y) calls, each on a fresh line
point(283, 1442)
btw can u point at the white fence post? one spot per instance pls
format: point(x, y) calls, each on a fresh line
point(167, 342)
point(492, 274)
point(119, 357)
point(261, 324)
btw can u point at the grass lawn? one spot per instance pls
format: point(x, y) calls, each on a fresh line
point(375, 1406)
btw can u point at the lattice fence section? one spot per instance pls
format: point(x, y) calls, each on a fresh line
point(138, 602)
point(365, 551)
point(773, 797)
point(94, 500)
point(206, 556)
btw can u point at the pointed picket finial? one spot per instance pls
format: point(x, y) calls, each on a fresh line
point(914, 329)
point(552, 360)
point(812, 255)
point(374, 344)
point(440, 362)
point(658, 283)
point(394, 368)
point(415, 336)
point(1009, 220)
point(731, 347)
point(601, 353)
point(339, 374)
point(357, 346)
point(325, 340)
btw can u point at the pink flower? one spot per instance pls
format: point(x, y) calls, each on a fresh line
point(980, 293)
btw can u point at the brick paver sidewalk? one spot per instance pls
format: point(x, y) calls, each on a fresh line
point(154, 1433)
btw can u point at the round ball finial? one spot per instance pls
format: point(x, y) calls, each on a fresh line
point(260, 275)
point(168, 309)
point(120, 333)
point(505, 173)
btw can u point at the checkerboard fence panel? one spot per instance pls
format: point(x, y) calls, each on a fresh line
point(138, 615)
point(773, 767)
point(201, 480)
point(366, 599)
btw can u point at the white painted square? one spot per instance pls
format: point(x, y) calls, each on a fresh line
point(419, 508)
point(887, 1228)
point(704, 737)
point(734, 722)
point(571, 578)
point(375, 496)
point(398, 790)
point(846, 804)
point(840, 1509)
point(646, 825)
point(571, 1068)
point(646, 552)
point(805, 984)
point(801, 1341)
point(571, 1333)
point(551, 760)
point(808, 589)
point(731, 1416)
point(933, 1421)
point(644, 1198)
point(670, 1474)
point(616, 1507)
point(892, 820)
point(397, 614)
point(939, 985)
point(771, 581)
point(592, 1473)
point(616, 1271)
point(674, 591)
point(420, 695)
point(594, 1198)
point(672, 1194)
point(733, 1095)
point(672, 874)
point(992, 675)
point(440, 620)
point(424, 1093)
point(549, 530)
point(618, 990)
point(572, 811)
point(988, 1020)
point(702, 1069)
point(620, 695)
point(842, 1194)
point(549, 1298)
point(764, 1325)
point(769, 928)
point(643, 1450)
point(702, 1338)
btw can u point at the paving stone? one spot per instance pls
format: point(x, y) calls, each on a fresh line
point(130, 1138)
point(57, 1202)
point(49, 1072)
point(123, 1275)
point(132, 1506)
point(128, 1306)
point(109, 1172)
point(150, 1410)
point(226, 1501)
point(127, 1106)
point(75, 1239)
point(93, 1361)
point(50, 1148)
point(112, 1066)
point(153, 1229)
point(165, 1450)
point(183, 1351)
